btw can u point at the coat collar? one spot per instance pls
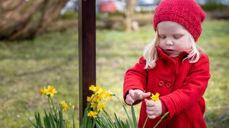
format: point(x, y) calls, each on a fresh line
point(164, 56)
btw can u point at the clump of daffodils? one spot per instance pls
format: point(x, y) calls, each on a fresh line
point(95, 114)
point(96, 100)
point(50, 91)
point(53, 116)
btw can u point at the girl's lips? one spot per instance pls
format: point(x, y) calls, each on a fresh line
point(169, 50)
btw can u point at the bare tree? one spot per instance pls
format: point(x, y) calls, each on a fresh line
point(130, 5)
point(26, 18)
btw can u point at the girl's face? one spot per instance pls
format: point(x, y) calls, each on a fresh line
point(173, 38)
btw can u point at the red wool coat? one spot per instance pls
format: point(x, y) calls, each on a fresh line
point(181, 86)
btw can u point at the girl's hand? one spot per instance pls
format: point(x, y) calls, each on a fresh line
point(135, 95)
point(153, 109)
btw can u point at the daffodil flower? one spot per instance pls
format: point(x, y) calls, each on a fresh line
point(155, 97)
point(50, 91)
point(95, 88)
point(101, 106)
point(92, 114)
point(96, 100)
point(43, 91)
point(64, 106)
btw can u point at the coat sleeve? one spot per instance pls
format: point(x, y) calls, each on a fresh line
point(192, 90)
point(135, 77)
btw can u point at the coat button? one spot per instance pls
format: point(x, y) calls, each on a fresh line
point(168, 84)
point(161, 83)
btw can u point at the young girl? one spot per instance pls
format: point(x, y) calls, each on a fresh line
point(174, 67)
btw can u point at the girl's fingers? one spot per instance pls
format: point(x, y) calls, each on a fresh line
point(149, 103)
point(129, 100)
point(139, 95)
point(131, 92)
point(150, 112)
point(150, 108)
point(153, 109)
point(152, 117)
point(136, 94)
point(145, 95)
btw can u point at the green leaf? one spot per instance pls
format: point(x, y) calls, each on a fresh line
point(61, 123)
point(129, 120)
point(88, 122)
point(118, 121)
point(133, 116)
point(108, 119)
point(47, 120)
point(38, 123)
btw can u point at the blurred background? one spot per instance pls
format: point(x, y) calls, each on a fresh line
point(39, 46)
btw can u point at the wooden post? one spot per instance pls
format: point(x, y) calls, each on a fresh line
point(87, 51)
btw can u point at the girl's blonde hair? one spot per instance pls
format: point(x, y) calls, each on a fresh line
point(150, 52)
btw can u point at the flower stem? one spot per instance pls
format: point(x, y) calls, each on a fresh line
point(145, 122)
point(51, 104)
point(73, 120)
point(161, 119)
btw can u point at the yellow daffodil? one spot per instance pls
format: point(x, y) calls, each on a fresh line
point(43, 91)
point(64, 106)
point(107, 94)
point(90, 98)
point(94, 88)
point(96, 100)
point(51, 91)
point(93, 104)
point(155, 97)
point(92, 114)
point(100, 106)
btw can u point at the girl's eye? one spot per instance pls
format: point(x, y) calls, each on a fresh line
point(162, 36)
point(177, 36)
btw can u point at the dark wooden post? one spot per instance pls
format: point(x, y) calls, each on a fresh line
point(87, 51)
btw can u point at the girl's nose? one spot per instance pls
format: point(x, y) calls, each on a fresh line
point(169, 42)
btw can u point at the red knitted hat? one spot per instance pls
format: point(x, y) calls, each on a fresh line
point(185, 12)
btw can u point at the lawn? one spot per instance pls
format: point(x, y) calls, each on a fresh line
point(27, 65)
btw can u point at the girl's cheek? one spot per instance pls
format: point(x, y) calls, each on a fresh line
point(160, 44)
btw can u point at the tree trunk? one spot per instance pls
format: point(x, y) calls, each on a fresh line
point(26, 18)
point(130, 4)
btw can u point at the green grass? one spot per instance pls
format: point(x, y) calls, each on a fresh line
point(27, 65)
